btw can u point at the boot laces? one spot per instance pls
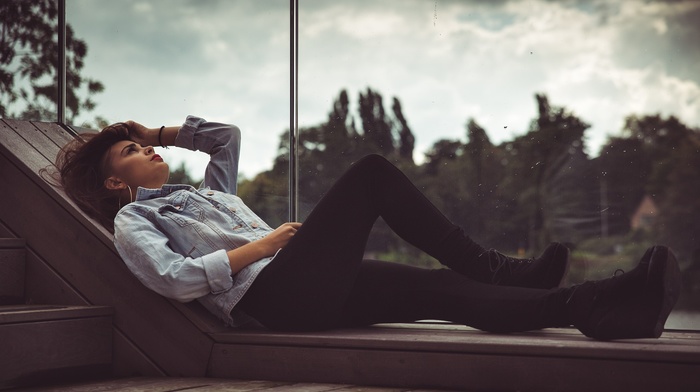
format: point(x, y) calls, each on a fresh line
point(602, 284)
point(500, 263)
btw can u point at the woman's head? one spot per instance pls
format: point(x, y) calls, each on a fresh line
point(102, 171)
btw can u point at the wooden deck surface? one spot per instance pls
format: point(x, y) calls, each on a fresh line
point(450, 356)
point(676, 346)
point(169, 384)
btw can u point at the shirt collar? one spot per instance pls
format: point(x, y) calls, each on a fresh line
point(148, 193)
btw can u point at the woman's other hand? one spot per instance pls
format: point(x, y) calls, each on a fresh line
point(242, 256)
point(279, 238)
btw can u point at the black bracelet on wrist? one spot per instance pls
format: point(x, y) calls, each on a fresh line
point(160, 133)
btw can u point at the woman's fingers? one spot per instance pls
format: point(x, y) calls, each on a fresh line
point(293, 226)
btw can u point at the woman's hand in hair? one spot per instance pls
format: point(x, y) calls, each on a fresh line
point(142, 135)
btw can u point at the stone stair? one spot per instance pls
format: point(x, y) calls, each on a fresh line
point(42, 344)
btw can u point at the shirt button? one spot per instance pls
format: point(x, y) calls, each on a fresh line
point(232, 209)
point(210, 193)
point(254, 225)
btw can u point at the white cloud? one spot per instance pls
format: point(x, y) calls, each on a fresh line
point(473, 64)
point(142, 7)
point(446, 61)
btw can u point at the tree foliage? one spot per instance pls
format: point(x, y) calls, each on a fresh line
point(28, 63)
point(182, 176)
point(539, 187)
point(660, 158)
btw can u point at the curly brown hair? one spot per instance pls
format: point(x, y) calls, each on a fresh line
point(82, 169)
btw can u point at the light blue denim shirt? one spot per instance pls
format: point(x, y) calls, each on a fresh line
point(174, 239)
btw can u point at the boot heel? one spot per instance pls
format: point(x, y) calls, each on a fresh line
point(664, 267)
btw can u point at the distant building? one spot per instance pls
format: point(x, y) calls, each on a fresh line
point(644, 216)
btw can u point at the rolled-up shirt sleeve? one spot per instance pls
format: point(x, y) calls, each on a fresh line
point(223, 144)
point(146, 252)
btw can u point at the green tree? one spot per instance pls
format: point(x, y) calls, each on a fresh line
point(28, 63)
point(641, 161)
point(442, 175)
point(540, 164)
point(266, 194)
point(407, 141)
point(538, 187)
point(327, 150)
point(678, 222)
point(477, 149)
point(625, 167)
point(440, 154)
point(376, 127)
point(182, 176)
point(660, 158)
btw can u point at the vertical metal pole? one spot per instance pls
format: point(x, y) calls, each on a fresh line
point(61, 66)
point(293, 113)
point(603, 208)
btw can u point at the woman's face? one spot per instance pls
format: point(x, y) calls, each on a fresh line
point(135, 166)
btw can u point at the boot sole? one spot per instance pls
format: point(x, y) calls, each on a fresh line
point(664, 272)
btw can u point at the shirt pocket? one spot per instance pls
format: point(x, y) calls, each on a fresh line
point(182, 210)
point(192, 225)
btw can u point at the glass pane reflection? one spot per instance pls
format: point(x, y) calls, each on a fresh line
point(524, 123)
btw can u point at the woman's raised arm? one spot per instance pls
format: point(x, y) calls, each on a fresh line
point(156, 137)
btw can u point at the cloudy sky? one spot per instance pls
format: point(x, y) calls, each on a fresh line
point(447, 61)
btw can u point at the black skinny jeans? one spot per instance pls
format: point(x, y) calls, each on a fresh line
point(320, 281)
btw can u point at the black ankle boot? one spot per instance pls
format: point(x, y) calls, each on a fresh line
point(631, 305)
point(544, 272)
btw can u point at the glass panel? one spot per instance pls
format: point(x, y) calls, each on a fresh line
point(524, 122)
point(222, 60)
point(28, 48)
